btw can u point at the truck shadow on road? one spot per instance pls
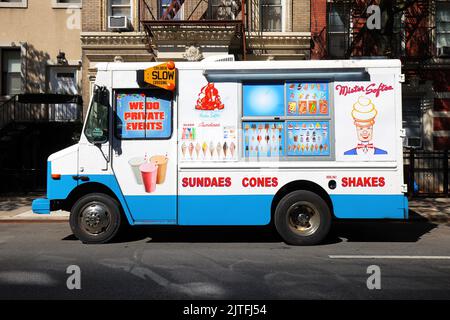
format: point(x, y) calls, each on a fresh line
point(342, 230)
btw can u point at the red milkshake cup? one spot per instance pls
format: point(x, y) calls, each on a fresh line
point(149, 173)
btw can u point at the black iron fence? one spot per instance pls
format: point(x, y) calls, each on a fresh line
point(40, 108)
point(427, 172)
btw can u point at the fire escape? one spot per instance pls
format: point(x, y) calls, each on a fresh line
point(405, 32)
point(187, 29)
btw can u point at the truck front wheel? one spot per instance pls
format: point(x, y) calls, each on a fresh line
point(95, 218)
point(302, 218)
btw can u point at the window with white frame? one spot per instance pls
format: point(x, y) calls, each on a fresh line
point(442, 26)
point(120, 8)
point(271, 15)
point(11, 64)
point(13, 3)
point(66, 3)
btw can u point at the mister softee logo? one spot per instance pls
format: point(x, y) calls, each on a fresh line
point(373, 88)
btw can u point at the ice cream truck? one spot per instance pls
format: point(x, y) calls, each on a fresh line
point(293, 144)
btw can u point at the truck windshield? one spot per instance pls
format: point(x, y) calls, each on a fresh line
point(96, 130)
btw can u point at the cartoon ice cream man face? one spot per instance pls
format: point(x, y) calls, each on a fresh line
point(364, 113)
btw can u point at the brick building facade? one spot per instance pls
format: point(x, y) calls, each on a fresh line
point(418, 33)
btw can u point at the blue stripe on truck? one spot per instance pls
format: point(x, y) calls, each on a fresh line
point(251, 209)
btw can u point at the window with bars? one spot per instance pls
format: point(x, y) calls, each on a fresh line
point(338, 24)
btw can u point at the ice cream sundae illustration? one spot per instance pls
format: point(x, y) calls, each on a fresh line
point(364, 113)
point(209, 99)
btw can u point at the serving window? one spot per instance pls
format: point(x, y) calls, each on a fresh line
point(286, 121)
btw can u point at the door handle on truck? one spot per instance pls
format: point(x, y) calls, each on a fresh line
point(82, 178)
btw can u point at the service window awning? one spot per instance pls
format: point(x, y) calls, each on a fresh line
point(349, 74)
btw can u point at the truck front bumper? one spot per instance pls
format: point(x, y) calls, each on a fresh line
point(41, 206)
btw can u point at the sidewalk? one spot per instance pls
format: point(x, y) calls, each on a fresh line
point(18, 208)
point(435, 210)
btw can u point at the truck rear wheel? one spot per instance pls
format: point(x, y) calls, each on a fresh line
point(302, 218)
point(95, 218)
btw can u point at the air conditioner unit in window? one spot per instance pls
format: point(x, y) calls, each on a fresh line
point(443, 52)
point(119, 23)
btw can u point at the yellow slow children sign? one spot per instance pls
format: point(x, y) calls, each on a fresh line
point(162, 76)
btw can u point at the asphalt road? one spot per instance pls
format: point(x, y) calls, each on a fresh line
point(227, 263)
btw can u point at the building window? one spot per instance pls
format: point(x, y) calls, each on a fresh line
point(11, 71)
point(271, 15)
point(66, 3)
point(443, 28)
point(120, 8)
point(224, 9)
point(338, 25)
point(13, 3)
point(412, 121)
point(175, 13)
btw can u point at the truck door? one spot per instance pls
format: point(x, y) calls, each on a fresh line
point(144, 154)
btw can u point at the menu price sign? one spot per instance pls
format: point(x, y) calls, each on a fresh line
point(308, 138)
point(307, 99)
point(263, 139)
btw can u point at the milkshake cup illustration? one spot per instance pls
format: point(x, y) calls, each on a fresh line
point(149, 172)
point(161, 162)
point(134, 164)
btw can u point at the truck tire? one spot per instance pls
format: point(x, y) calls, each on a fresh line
point(302, 218)
point(95, 218)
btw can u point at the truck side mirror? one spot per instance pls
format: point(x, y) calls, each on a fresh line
point(101, 96)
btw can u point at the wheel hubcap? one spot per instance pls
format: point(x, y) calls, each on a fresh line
point(94, 218)
point(304, 218)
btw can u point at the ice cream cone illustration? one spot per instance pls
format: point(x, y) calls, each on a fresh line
point(218, 149)
point(204, 149)
point(197, 149)
point(211, 148)
point(191, 149)
point(183, 149)
point(225, 149)
point(232, 149)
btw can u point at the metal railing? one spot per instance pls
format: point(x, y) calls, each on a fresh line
point(13, 110)
point(427, 172)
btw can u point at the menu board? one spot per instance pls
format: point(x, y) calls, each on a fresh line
point(208, 127)
point(308, 138)
point(307, 99)
point(263, 139)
